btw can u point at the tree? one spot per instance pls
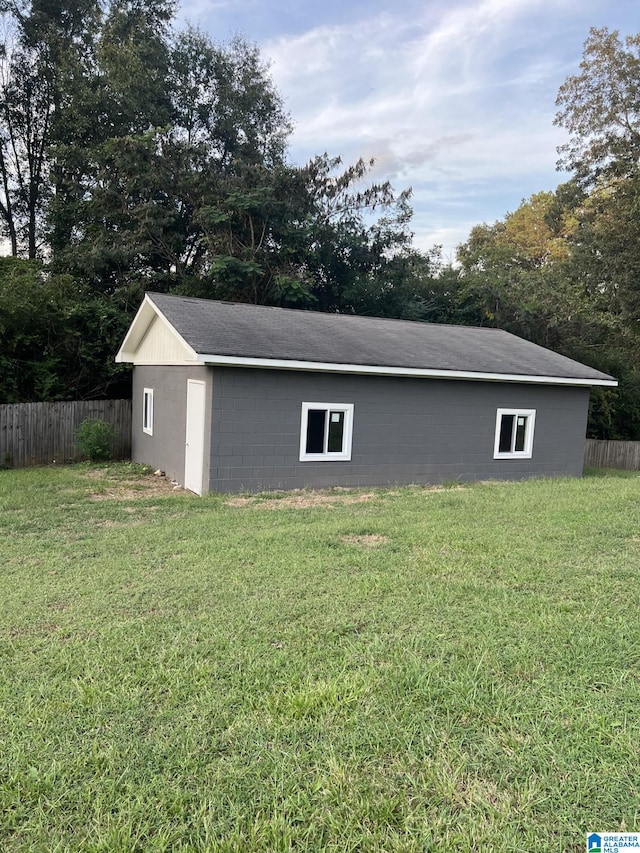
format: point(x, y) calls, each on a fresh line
point(44, 49)
point(408, 285)
point(225, 102)
point(122, 91)
point(348, 248)
point(600, 108)
point(546, 284)
point(26, 87)
point(138, 197)
point(58, 339)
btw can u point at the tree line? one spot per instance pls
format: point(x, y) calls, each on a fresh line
point(137, 156)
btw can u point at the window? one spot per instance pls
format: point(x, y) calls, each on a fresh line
point(514, 434)
point(147, 411)
point(325, 432)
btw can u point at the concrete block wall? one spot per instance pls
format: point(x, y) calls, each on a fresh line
point(405, 430)
point(165, 449)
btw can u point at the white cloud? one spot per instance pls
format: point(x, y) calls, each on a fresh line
point(466, 97)
point(454, 99)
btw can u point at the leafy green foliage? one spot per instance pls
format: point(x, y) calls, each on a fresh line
point(93, 439)
point(600, 107)
point(547, 272)
point(58, 339)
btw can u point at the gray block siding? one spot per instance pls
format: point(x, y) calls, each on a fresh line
point(404, 431)
point(165, 448)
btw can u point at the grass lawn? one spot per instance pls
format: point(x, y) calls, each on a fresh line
point(392, 670)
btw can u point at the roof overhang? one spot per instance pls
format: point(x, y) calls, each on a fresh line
point(135, 349)
point(381, 370)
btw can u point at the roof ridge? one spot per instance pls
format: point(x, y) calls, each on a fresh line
point(311, 311)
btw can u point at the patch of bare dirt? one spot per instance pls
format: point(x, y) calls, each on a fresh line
point(39, 629)
point(436, 490)
point(474, 791)
point(301, 500)
point(132, 490)
point(366, 540)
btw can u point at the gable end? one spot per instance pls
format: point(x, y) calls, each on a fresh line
point(152, 339)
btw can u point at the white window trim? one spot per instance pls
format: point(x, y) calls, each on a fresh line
point(345, 454)
point(147, 427)
point(527, 453)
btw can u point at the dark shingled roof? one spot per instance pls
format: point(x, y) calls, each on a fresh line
point(256, 331)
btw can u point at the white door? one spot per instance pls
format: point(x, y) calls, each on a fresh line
point(194, 443)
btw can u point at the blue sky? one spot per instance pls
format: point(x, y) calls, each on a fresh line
point(455, 99)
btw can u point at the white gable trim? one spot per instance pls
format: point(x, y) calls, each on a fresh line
point(141, 324)
point(381, 370)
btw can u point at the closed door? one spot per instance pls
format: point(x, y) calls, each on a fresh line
point(194, 443)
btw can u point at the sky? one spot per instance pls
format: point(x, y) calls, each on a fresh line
point(454, 99)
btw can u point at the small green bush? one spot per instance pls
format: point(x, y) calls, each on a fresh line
point(93, 440)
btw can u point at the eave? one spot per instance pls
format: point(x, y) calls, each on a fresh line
point(382, 370)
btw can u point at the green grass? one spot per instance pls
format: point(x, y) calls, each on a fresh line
point(401, 670)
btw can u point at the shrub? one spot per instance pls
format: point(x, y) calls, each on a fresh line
point(93, 439)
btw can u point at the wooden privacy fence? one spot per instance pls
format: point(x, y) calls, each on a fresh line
point(612, 454)
point(43, 433)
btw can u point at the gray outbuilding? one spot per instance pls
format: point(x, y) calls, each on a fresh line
point(232, 397)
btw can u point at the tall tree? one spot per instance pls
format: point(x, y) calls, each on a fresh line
point(121, 92)
point(210, 116)
point(600, 108)
point(225, 101)
point(44, 48)
point(26, 105)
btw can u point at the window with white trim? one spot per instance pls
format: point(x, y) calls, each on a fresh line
point(514, 434)
point(326, 431)
point(147, 411)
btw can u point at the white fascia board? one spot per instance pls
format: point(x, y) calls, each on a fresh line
point(139, 327)
point(380, 370)
point(164, 362)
